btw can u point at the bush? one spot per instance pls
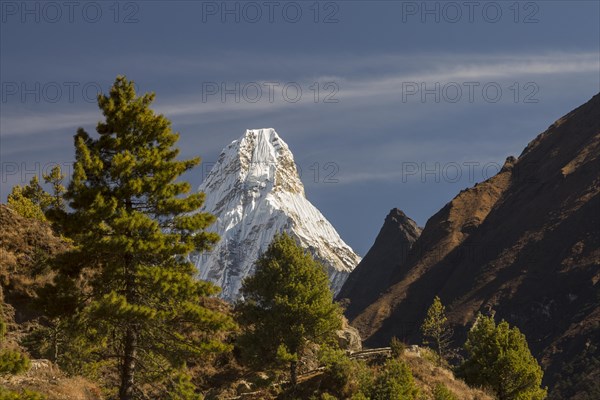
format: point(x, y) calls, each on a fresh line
point(395, 382)
point(182, 388)
point(344, 377)
point(397, 347)
point(441, 392)
point(24, 395)
point(24, 206)
point(13, 362)
point(338, 368)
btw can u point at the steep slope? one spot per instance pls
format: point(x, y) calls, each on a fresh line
point(25, 246)
point(255, 191)
point(316, 380)
point(388, 254)
point(442, 234)
point(526, 244)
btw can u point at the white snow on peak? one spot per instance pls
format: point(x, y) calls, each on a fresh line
point(255, 192)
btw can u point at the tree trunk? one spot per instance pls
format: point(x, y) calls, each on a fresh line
point(55, 343)
point(294, 372)
point(131, 335)
point(128, 367)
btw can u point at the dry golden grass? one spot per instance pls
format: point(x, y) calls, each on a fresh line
point(25, 246)
point(47, 379)
point(427, 375)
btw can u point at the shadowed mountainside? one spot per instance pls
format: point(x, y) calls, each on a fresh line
point(524, 244)
point(372, 275)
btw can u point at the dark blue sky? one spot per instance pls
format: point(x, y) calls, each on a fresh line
point(415, 100)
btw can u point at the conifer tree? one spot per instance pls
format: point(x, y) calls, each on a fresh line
point(128, 281)
point(499, 359)
point(436, 330)
point(287, 304)
point(55, 178)
point(29, 201)
point(36, 193)
point(32, 201)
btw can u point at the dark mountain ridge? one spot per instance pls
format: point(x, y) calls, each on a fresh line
point(524, 244)
point(372, 275)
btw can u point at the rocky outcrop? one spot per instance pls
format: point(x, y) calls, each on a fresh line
point(349, 337)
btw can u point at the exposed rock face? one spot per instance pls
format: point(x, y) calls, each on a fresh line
point(349, 338)
point(525, 244)
point(255, 192)
point(385, 258)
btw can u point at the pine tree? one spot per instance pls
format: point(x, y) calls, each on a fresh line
point(36, 193)
point(29, 201)
point(436, 330)
point(128, 282)
point(55, 178)
point(55, 211)
point(499, 359)
point(287, 304)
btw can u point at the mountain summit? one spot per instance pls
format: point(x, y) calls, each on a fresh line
point(255, 192)
point(384, 260)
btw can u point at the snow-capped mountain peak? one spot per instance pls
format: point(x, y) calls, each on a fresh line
point(255, 192)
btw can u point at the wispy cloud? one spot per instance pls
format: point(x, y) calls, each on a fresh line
point(498, 69)
point(355, 86)
point(23, 123)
